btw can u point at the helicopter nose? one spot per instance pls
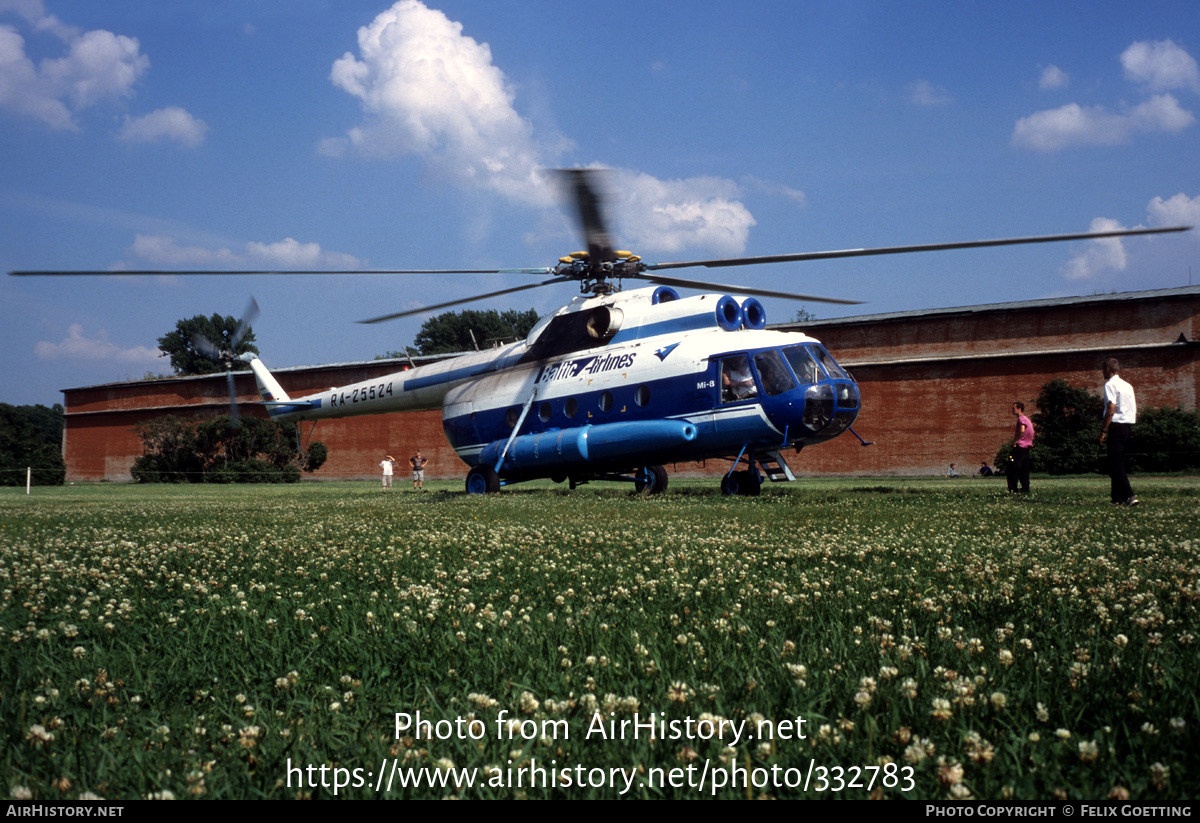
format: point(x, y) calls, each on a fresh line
point(829, 408)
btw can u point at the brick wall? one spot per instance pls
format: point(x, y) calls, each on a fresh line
point(936, 387)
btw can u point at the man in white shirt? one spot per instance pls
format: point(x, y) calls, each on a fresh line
point(386, 464)
point(1120, 413)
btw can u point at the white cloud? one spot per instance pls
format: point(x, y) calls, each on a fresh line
point(77, 347)
point(673, 215)
point(1098, 256)
point(160, 250)
point(1074, 125)
point(778, 189)
point(429, 90)
point(171, 123)
point(1161, 65)
point(1053, 78)
point(23, 90)
point(1179, 210)
point(924, 93)
point(34, 13)
point(1112, 254)
point(1157, 66)
point(98, 66)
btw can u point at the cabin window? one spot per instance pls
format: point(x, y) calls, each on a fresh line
point(642, 395)
point(512, 416)
point(544, 412)
point(774, 375)
point(571, 407)
point(606, 401)
point(737, 383)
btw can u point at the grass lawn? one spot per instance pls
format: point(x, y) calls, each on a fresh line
point(922, 638)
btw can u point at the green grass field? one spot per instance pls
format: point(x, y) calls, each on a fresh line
point(831, 638)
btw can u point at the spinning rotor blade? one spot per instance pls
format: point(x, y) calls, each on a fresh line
point(205, 346)
point(589, 206)
point(459, 301)
point(704, 284)
point(970, 244)
point(241, 272)
point(234, 421)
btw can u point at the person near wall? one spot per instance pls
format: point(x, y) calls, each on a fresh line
point(387, 464)
point(1120, 413)
point(418, 461)
point(1018, 467)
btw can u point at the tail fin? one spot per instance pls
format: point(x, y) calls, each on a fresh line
point(268, 386)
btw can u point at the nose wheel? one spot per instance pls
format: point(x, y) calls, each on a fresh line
point(742, 483)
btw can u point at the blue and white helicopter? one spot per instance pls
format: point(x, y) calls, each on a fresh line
point(618, 383)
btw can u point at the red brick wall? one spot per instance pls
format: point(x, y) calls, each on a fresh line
point(936, 387)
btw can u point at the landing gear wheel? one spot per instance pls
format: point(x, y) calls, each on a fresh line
point(483, 480)
point(742, 483)
point(651, 480)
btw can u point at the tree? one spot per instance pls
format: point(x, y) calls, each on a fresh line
point(211, 451)
point(1066, 429)
point(803, 315)
point(452, 331)
point(1067, 426)
point(31, 438)
point(1165, 440)
point(186, 359)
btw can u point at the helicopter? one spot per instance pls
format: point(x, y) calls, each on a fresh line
point(616, 384)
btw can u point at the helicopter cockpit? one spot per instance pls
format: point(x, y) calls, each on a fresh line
point(786, 379)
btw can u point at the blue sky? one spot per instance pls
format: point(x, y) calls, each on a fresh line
point(241, 134)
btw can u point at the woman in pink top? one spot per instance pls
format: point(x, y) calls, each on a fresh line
point(1018, 470)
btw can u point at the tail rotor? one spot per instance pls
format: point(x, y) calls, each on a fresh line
point(228, 357)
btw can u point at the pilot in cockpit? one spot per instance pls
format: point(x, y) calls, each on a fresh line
point(736, 381)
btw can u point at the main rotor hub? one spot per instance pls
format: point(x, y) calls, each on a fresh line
point(599, 277)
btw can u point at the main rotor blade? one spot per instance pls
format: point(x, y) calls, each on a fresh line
point(460, 301)
point(703, 284)
point(191, 272)
point(589, 206)
point(970, 244)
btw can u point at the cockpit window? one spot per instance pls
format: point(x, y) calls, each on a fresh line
point(774, 375)
point(830, 364)
point(803, 364)
point(736, 381)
